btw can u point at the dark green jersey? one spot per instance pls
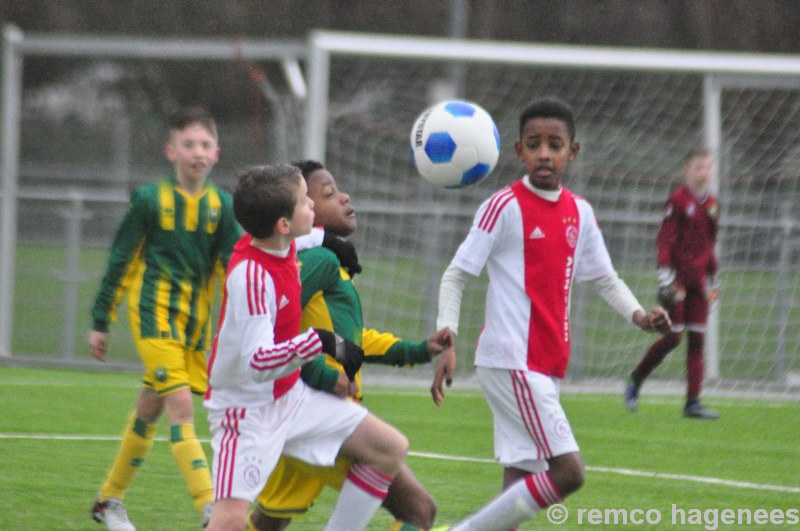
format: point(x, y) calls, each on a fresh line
point(330, 301)
point(164, 256)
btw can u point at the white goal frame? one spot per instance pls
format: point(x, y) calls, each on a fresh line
point(17, 46)
point(719, 71)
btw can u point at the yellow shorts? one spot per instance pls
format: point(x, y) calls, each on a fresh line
point(169, 366)
point(294, 485)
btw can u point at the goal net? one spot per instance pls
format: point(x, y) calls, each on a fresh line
point(85, 139)
point(638, 113)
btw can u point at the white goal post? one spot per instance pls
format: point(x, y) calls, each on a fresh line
point(410, 71)
point(17, 46)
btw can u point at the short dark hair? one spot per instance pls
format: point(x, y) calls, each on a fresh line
point(549, 108)
point(307, 167)
point(263, 195)
point(695, 152)
point(189, 115)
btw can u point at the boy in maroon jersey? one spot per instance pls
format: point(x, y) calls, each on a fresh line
point(687, 270)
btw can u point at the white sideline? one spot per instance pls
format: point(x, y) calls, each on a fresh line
point(746, 485)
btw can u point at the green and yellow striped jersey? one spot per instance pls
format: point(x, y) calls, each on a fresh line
point(164, 256)
point(330, 301)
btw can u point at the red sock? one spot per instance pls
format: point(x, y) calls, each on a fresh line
point(655, 355)
point(694, 365)
point(543, 489)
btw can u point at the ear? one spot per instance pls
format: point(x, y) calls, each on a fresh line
point(282, 226)
point(574, 149)
point(518, 149)
point(169, 151)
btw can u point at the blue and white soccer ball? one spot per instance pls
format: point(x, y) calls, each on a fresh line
point(454, 144)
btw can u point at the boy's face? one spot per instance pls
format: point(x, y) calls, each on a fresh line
point(332, 208)
point(697, 171)
point(546, 150)
point(193, 151)
point(303, 216)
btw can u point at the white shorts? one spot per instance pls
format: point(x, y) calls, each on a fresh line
point(530, 425)
point(304, 423)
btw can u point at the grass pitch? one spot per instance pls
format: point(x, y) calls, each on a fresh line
point(59, 431)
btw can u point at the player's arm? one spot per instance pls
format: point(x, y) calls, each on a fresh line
point(670, 291)
point(255, 312)
point(387, 349)
point(319, 375)
point(310, 240)
point(619, 296)
point(228, 233)
point(127, 243)
point(595, 266)
point(451, 290)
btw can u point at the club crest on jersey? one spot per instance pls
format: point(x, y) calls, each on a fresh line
point(536, 233)
point(572, 235)
point(160, 373)
point(251, 475)
point(713, 211)
point(690, 209)
point(213, 215)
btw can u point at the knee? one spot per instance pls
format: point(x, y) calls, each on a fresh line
point(427, 511)
point(263, 522)
point(568, 473)
point(418, 510)
point(228, 521)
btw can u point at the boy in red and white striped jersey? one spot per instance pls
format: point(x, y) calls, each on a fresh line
point(534, 237)
point(258, 407)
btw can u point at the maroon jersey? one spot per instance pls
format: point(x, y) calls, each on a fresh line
point(687, 236)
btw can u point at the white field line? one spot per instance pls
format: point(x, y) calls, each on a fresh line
point(745, 485)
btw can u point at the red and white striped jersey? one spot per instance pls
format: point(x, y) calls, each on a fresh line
point(533, 248)
point(258, 349)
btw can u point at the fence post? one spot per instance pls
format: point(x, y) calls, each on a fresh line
point(782, 295)
point(12, 102)
point(74, 215)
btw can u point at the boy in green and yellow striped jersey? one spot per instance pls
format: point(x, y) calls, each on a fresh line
point(331, 302)
point(176, 234)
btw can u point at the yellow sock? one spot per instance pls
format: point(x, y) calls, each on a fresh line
point(399, 525)
point(137, 440)
point(192, 461)
point(250, 526)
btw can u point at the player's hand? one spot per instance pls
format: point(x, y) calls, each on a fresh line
point(347, 353)
point(444, 374)
point(440, 341)
point(344, 388)
point(344, 250)
point(670, 291)
point(712, 292)
point(98, 342)
point(657, 320)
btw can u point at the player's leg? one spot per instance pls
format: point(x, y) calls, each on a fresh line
point(696, 313)
point(246, 443)
point(409, 503)
point(137, 440)
point(530, 426)
point(291, 490)
point(328, 427)
point(377, 451)
point(182, 372)
point(227, 514)
point(654, 356)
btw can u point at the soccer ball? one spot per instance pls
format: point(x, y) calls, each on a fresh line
point(454, 144)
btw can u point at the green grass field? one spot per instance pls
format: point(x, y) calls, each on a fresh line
point(59, 431)
point(609, 347)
